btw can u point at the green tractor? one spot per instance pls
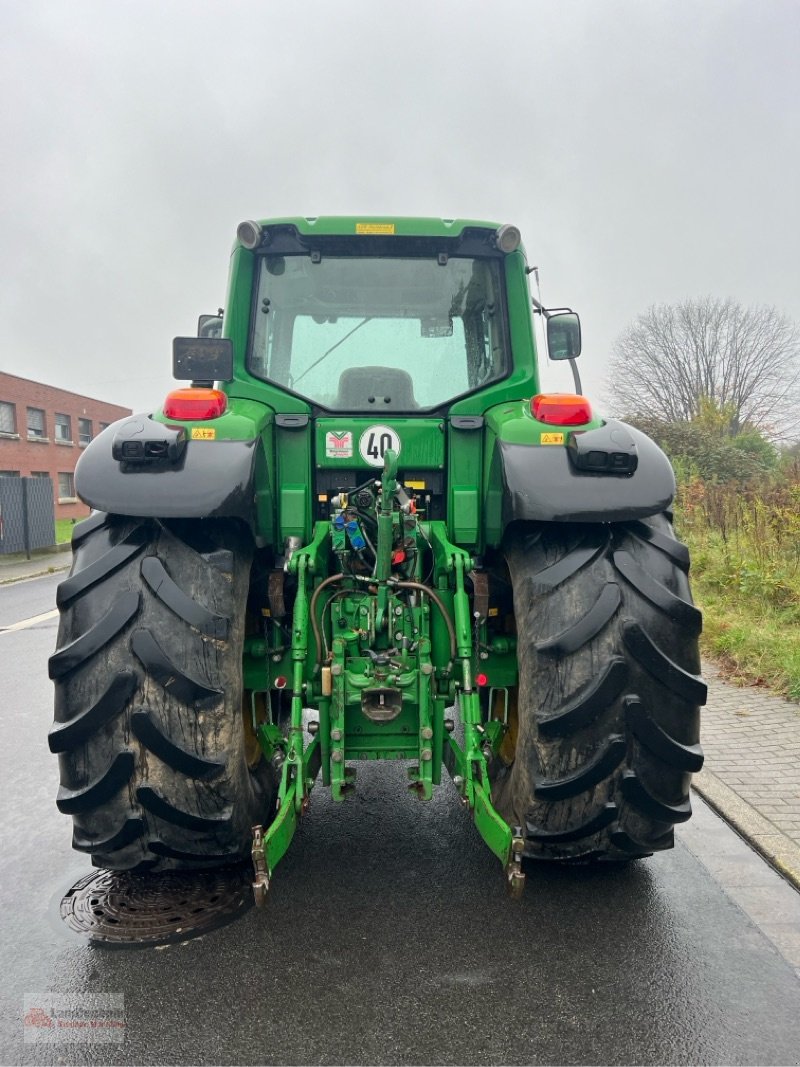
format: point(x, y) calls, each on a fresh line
point(362, 533)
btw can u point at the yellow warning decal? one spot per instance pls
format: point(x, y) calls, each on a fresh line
point(551, 439)
point(203, 433)
point(414, 485)
point(374, 227)
point(494, 612)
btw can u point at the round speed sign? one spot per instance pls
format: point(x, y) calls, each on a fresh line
point(375, 441)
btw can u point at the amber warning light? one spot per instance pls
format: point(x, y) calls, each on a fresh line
point(561, 409)
point(193, 404)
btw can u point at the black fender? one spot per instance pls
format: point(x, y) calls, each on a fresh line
point(549, 484)
point(170, 477)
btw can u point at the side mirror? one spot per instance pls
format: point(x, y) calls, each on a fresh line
point(209, 326)
point(202, 359)
point(564, 335)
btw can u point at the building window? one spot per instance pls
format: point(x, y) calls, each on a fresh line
point(9, 474)
point(8, 417)
point(84, 431)
point(64, 429)
point(104, 425)
point(40, 474)
point(66, 486)
point(37, 428)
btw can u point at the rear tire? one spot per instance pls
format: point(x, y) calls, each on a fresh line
point(609, 689)
point(148, 708)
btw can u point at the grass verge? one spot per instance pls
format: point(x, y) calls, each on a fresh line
point(745, 546)
point(64, 528)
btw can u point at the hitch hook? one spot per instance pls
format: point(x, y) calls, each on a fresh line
point(515, 876)
point(261, 880)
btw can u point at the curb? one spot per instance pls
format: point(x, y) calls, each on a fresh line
point(34, 574)
point(776, 848)
point(36, 556)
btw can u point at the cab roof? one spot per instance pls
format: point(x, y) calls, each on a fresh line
point(379, 225)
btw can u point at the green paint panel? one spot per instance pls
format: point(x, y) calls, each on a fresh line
point(421, 442)
point(293, 510)
point(293, 476)
point(465, 515)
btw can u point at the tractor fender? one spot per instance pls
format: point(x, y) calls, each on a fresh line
point(545, 484)
point(173, 478)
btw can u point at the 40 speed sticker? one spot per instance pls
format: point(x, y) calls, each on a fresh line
point(375, 441)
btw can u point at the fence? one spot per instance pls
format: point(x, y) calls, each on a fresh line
point(27, 519)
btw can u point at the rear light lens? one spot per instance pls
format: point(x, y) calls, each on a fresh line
point(193, 404)
point(561, 409)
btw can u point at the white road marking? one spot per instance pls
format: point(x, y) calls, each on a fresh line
point(29, 622)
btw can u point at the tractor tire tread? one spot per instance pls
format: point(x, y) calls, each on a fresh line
point(64, 736)
point(185, 607)
point(105, 786)
point(609, 689)
point(148, 728)
point(83, 648)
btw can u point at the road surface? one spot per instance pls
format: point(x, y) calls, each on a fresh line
point(388, 937)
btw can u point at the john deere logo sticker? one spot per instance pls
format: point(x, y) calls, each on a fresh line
point(374, 443)
point(339, 445)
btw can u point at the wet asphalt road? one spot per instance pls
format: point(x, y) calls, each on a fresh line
point(387, 939)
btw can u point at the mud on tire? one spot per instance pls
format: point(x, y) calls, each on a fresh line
point(609, 689)
point(148, 707)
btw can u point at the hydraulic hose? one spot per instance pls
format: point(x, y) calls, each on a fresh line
point(426, 589)
point(312, 611)
point(438, 602)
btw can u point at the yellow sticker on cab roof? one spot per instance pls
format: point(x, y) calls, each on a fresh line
point(374, 227)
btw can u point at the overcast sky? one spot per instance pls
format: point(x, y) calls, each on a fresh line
point(649, 151)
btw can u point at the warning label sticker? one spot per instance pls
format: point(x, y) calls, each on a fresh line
point(374, 227)
point(552, 439)
point(203, 433)
point(339, 445)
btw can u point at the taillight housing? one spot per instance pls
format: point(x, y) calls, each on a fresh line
point(193, 404)
point(562, 409)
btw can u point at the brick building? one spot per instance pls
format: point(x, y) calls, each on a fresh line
point(42, 433)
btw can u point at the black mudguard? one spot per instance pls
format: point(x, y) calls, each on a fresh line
point(208, 479)
point(544, 483)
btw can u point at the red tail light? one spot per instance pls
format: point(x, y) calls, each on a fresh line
point(192, 404)
point(561, 409)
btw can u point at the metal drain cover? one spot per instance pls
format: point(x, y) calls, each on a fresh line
point(118, 909)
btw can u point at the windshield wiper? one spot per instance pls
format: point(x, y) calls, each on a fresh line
point(331, 349)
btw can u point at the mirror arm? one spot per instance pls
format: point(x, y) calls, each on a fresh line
point(576, 376)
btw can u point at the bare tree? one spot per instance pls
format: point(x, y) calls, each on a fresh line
point(745, 360)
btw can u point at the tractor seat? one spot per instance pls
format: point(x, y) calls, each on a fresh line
point(375, 389)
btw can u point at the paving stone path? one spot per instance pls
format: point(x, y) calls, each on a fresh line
point(751, 740)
